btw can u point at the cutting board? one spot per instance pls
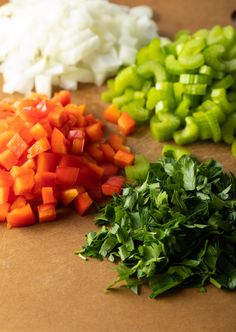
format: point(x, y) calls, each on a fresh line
point(44, 287)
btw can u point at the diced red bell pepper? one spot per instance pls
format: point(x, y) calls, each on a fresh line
point(112, 114)
point(124, 158)
point(46, 212)
point(58, 142)
point(26, 136)
point(71, 160)
point(8, 159)
point(116, 141)
point(47, 161)
point(6, 179)
point(4, 194)
point(24, 183)
point(95, 151)
point(76, 110)
point(29, 163)
point(76, 133)
point(38, 131)
point(67, 175)
point(63, 97)
point(96, 192)
point(44, 107)
point(21, 217)
point(17, 145)
point(17, 124)
point(39, 147)
point(5, 138)
point(82, 202)
point(4, 208)
point(44, 179)
point(109, 170)
point(68, 195)
point(97, 170)
point(108, 152)
point(48, 196)
point(57, 117)
point(19, 202)
point(94, 132)
point(126, 124)
point(113, 185)
point(78, 145)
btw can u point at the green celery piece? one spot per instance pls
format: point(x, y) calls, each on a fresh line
point(229, 129)
point(215, 108)
point(153, 97)
point(194, 79)
point(189, 134)
point(230, 65)
point(109, 94)
point(225, 83)
point(221, 35)
point(137, 111)
point(163, 126)
point(176, 151)
point(123, 99)
point(206, 70)
point(190, 56)
point(155, 51)
point(162, 106)
point(233, 148)
point(173, 66)
point(213, 55)
point(195, 89)
point(179, 34)
point(202, 33)
point(142, 55)
point(203, 125)
point(213, 122)
point(152, 68)
point(162, 91)
point(220, 98)
point(183, 109)
point(127, 78)
point(167, 89)
point(178, 91)
point(138, 171)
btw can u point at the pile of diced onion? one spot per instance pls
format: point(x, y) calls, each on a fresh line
point(50, 42)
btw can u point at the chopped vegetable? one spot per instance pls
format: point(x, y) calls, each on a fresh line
point(77, 41)
point(185, 87)
point(175, 228)
point(51, 152)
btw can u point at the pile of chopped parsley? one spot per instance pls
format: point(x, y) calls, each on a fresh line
point(175, 229)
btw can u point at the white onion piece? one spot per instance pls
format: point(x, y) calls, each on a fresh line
point(45, 43)
point(43, 84)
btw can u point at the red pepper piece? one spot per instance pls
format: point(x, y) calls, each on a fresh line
point(67, 175)
point(112, 114)
point(82, 202)
point(4, 208)
point(21, 217)
point(126, 124)
point(124, 158)
point(46, 212)
point(113, 185)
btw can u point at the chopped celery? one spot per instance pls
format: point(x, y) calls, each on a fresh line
point(188, 83)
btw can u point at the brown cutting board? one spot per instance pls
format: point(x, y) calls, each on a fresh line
point(45, 288)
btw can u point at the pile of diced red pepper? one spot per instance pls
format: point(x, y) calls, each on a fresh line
point(52, 153)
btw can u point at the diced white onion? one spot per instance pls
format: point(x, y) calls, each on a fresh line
point(45, 43)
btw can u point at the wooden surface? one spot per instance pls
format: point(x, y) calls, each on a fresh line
point(45, 288)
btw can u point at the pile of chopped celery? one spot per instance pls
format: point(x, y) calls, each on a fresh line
point(186, 88)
